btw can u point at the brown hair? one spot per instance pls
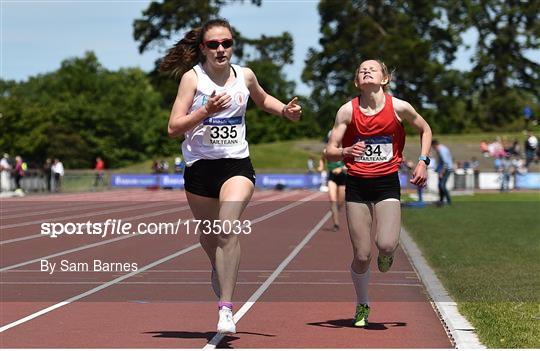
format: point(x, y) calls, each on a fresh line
point(186, 53)
point(385, 71)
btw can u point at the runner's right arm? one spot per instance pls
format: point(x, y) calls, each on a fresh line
point(334, 150)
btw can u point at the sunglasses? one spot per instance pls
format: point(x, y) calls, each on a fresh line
point(214, 44)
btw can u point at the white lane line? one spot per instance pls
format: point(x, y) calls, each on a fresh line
point(251, 301)
point(96, 289)
point(33, 236)
point(247, 271)
point(203, 283)
point(84, 215)
point(80, 248)
point(152, 214)
point(70, 207)
point(146, 215)
point(459, 328)
point(151, 265)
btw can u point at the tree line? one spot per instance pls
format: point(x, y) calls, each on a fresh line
point(82, 110)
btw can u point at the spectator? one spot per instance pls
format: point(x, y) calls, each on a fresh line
point(484, 148)
point(155, 167)
point(531, 146)
point(496, 148)
point(506, 171)
point(528, 116)
point(58, 173)
point(475, 165)
point(515, 149)
point(163, 167)
point(179, 165)
point(18, 172)
point(310, 165)
point(100, 169)
point(47, 171)
point(519, 166)
point(444, 170)
point(5, 173)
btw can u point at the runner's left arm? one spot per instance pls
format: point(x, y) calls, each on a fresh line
point(405, 111)
point(267, 102)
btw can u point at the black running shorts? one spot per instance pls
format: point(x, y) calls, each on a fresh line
point(206, 177)
point(372, 189)
point(339, 179)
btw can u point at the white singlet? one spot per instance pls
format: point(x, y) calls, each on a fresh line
point(223, 134)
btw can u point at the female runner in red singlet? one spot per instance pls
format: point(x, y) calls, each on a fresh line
point(371, 131)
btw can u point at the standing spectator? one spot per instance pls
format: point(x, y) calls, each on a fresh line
point(18, 172)
point(58, 173)
point(506, 171)
point(5, 173)
point(100, 168)
point(155, 167)
point(310, 165)
point(444, 169)
point(528, 116)
point(531, 145)
point(47, 171)
point(475, 165)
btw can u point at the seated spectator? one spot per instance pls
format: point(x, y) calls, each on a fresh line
point(515, 149)
point(484, 149)
point(496, 148)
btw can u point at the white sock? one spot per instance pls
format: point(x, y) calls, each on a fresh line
point(361, 281)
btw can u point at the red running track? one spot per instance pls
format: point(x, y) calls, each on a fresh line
point(168, 302)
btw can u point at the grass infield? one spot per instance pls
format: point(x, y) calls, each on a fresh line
point(486, 251)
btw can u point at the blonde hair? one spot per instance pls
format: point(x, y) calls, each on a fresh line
point(386, 73)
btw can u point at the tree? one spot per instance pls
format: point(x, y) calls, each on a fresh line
point(82, 111)
point(503, 77)
point(411, 37)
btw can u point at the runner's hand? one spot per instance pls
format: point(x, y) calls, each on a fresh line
point(218, 102)
point(356, 150)
point(292, 110)
point(419, 176)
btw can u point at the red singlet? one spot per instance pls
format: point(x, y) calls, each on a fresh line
point(384, 136)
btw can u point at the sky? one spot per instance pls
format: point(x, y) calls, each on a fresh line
point(37, 35)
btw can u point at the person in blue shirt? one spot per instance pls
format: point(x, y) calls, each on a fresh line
point(444, 170)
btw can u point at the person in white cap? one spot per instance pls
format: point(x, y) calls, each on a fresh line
point(5, 173)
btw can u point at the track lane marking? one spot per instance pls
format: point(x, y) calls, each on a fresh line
point(148, 266)
point(151, 214)
point(212, 344)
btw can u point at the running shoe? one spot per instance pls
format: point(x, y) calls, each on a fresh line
point(384, 263)
point(215, 283)
point(361, 316)
point(226, 322)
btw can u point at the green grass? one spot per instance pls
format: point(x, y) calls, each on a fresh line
point(291, 156)
point(485, 249)
point(284, 156)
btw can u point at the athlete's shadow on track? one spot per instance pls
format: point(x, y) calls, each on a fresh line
point(224, 344)
point(348, 323)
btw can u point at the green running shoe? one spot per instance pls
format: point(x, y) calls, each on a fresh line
point(384, 263)
point(361, 316)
